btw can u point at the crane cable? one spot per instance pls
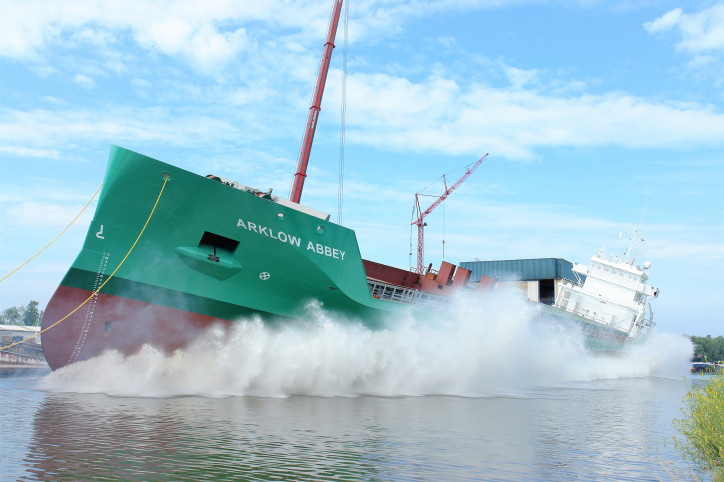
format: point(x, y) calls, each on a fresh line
point(443, 178)
point(166, 178)
point(56, 238)
point(343, 112)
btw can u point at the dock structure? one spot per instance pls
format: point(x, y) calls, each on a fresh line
point(28, 354)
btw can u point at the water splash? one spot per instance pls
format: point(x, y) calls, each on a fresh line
point(483, 346)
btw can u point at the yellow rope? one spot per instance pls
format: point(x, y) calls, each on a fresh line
point(61, 233)
point(107, 279)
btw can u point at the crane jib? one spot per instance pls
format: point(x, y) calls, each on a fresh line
point(298, 184)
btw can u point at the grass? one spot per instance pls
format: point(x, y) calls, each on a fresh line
point(701, 428)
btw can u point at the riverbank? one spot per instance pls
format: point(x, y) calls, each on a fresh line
point(13, 370)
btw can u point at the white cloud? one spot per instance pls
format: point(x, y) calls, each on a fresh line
point(169, 35)
point(84, 81)
point(41, 214)
point(697, 252)
point(439, 114)
point(207, 35)
point(667, 21)
point(32, 133)
point(201, 43)
point(210, 48)
point(520, 77)
point(445, 112)
point(446, 116)
point(20, 36)
point(44, 189)
point(700, 32)
point(19, 150)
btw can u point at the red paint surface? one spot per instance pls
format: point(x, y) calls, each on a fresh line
point(113, 322)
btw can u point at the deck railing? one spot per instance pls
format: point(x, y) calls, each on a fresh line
point(402, 294)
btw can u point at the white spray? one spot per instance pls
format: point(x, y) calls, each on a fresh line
point(483, 346)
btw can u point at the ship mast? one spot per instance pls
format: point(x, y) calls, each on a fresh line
point(301, 174)
point(634, 237)
point(421, 214)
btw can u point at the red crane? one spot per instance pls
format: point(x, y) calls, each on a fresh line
point(421, 214)
point(296, 193)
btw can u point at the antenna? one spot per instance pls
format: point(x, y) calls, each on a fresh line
point(635, 234)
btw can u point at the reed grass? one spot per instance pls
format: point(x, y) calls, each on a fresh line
point(701, 428)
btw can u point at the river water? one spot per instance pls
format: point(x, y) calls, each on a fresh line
point(326, 399)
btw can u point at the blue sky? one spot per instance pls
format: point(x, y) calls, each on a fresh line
point(590, 111)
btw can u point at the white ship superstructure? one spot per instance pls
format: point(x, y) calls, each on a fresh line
point(613, 294)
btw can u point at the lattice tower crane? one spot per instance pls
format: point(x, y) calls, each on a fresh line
point(422, 214)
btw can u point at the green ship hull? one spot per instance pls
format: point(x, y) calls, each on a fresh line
point(211, 253)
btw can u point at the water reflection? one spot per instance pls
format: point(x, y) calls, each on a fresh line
point(607, 429)
point(78, 436)
point(616, 429)
point(192, 438)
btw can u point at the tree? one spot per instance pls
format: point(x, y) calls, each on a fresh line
point(12, 315)
point(702, 437)
point(28, 315)
point(31, 314)
point(708, 348)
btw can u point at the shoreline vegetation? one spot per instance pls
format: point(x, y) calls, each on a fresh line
point(701, 428)
point(28, 315)
point(708, 349)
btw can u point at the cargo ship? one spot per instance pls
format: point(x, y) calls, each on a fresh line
point(170, 253)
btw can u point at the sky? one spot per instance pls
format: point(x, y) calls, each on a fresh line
point(597, 116)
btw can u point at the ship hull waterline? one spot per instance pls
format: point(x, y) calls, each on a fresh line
point(596, 337)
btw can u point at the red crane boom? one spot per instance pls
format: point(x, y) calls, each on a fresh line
point(421, 214)
point(301, 174)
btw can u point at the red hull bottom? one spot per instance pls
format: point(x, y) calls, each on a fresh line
point(112, 322)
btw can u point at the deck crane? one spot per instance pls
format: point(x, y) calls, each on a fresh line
point(421, 214)
point(298, 183)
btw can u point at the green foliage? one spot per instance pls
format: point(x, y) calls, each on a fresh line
point(702, 427)
point(12, 316)
point(22, 315)
point(707, 348)
point(31, 315)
